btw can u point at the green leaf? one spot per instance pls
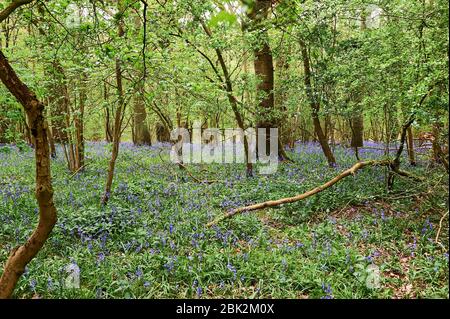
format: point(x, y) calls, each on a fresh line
point(222, 16)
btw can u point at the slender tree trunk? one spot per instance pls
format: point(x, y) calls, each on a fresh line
point(284, 123)
point(117, 132)
point(51, 142)
point(108, 133)
point(22, 255)
point(357, 120)
point(116, 135)
point(71, 151)
point(79, 124)
point(27, 132)
point(315, 108)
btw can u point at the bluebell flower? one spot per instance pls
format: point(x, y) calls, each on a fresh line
point(199, 291)
point(101, 257)
point(327, 290)
point(49, 284)
point(232, 269)
point(33, 284)
point(139, 272)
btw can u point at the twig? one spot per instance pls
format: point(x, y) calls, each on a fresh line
point(77, 171)
point(184, 168)
point(439, 230)
point(195, 178)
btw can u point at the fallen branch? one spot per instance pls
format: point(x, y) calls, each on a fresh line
point(182, 166)
point(272, 203)
point(185, 169)
point(77, 171)
point(439, 231)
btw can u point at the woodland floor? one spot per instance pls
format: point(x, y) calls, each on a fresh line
point(150, 241)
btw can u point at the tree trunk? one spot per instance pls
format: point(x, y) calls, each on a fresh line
point(357, 120)
point(284, 123)
point(435, 142)
point(79, 124)
point(141, 131)
point(108, 133)
point(51, 141)
point(357, 123)
point(22, 255)
point(117, 132)
point(411, 155)
point(60, 96)
point(264, 71)
point(315, 106)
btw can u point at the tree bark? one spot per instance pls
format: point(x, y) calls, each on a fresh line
point(411, 153)
point(357, 123)
point(141, 131)
point(22, 255)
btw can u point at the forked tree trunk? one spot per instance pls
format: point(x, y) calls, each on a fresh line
point(118, 119)
point(116, 135)
point(22, 255)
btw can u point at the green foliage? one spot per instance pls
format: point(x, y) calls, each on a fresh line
point(222, 17)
